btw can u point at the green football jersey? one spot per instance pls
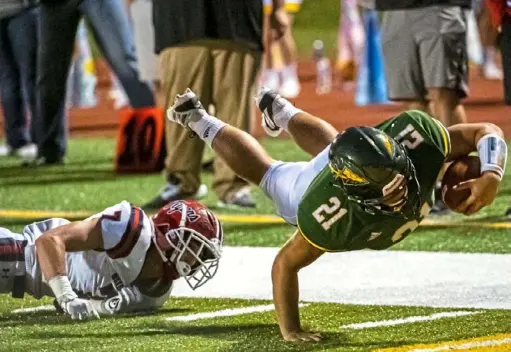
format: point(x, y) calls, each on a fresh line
point(332, 222)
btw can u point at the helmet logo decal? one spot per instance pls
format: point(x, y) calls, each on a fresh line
point(191, 214)
point(388, 145)
point(348, 176)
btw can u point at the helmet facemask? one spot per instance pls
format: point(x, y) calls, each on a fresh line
point(402, 200)
point(398, 198)
point(194, 256)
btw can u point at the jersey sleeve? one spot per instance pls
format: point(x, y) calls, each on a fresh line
point(127, 235)
point(430, 130)
point(121, 226)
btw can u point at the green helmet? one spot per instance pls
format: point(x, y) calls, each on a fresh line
point(375, 171)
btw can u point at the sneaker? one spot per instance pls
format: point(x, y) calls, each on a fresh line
point(270, 103)
point(6, 150)
point(290, 88)
point(242, 198)
point(492, 72)
point(187, 108)
point(27, 152)
point(271, 79)
point(173, 192)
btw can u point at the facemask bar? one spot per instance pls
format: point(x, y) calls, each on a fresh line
point(373, 206)
point(181, 240)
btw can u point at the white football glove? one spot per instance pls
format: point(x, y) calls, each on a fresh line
point(112, 305)
point(67, 299)
point(79, 308)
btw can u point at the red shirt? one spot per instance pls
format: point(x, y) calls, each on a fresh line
point(499, 8)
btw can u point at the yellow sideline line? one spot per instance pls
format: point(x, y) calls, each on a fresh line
point(233, 218)
point(496, 343)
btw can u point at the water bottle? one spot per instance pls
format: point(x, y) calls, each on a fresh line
point(323, 69)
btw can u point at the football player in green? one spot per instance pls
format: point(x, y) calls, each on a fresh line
point(364, 187)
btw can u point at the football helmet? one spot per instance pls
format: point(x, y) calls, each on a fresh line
point(189, 238)
point(375, 171)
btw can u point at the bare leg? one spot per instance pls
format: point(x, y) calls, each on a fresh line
point(419, 105)
point(459, 115)
point(447, 106)
point(288, 45)
point(243, 153)
point(311, 133)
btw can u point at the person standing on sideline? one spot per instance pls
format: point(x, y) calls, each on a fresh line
point(18, 60)
point(213, 47)
point(425, 58)
point(58, 24)
point(500, 12)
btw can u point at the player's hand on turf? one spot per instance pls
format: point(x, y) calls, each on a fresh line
point(118, 303)
point(302, 336)
point(80, 309)
point(483, 191)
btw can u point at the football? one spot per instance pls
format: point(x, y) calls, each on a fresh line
point(462, 169)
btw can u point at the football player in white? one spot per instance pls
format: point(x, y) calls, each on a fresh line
point(119, 260)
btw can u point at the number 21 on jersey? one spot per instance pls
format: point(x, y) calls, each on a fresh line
point(329, 209)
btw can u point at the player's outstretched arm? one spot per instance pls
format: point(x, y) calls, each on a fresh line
point(487, 139)
point(466, 136)
point(296, 254)
point(51, 253)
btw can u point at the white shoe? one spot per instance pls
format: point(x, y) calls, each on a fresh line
point(27, 152)
point(290, 88)
point(270, 103)
point(271, 79)
point(119, 97)
point(187, 108)
point(5, 150)
point(492, 72)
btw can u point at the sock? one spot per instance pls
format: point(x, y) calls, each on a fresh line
point(207, 127)
point(284, 112)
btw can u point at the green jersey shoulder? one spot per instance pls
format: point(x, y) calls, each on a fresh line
point(414, 129)
point(332, 222)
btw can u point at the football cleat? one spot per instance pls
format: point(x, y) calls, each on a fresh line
point(187, 108)
point(270, 103)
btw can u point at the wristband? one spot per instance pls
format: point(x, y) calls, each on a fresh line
point(492, 151)
point(62, 289)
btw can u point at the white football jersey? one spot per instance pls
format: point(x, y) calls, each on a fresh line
point(127, 233)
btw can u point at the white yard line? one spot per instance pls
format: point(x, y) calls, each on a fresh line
point(466, 346)
point(408, 320)
point(225, 313)
point(34, 309)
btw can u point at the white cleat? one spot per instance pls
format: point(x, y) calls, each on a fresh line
point(270, 103)
point(187, 108)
